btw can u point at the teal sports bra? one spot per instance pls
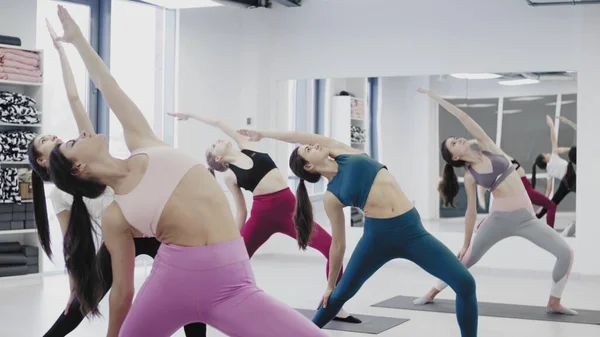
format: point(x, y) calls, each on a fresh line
point(353, 181)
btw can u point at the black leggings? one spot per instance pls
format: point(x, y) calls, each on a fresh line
point(67, 323)
point(560, 194)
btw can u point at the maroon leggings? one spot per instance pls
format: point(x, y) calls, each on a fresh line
point(538, 198)
point(274, 213)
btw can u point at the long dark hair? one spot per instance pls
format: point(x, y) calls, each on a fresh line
point(570, 177)
point(79, 248)
point(303, 215)
point(39, 174)
point(540, 161)
point(449, 186)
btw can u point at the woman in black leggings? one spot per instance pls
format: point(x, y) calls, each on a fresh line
point(38, 151)
point(568, 183)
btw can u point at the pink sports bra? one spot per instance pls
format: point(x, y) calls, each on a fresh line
point(143, 206)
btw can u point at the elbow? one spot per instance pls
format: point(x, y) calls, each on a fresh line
point(122, 295)
point(338, 246)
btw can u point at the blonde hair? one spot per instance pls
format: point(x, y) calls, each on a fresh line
point(211, 160)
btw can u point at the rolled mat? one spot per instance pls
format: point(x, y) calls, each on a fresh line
point(12, 259)
point(10, 247)
point(13, 270)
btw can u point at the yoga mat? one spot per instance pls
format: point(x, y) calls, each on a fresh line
point(12, 259)
point(10, 247)
point(13, 270)
point(370, 324)
point(494, 310)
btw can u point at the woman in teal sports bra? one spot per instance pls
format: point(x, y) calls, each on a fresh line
point(392, 228)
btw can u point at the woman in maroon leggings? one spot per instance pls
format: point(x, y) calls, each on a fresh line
point(273, 205)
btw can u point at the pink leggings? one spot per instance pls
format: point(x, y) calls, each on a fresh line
point(540, 199)
point(212, 284)
point(274, 213)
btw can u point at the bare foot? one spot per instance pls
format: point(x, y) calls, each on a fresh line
point(428, 298)
point(554, 307)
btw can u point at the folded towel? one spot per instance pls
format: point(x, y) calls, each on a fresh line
point(13, 259)
point(15, 64)
point(10, 247)
point(8, 54)
point(11, 70)
point(14, 270)
point(14, 98)
point(19, 77)
point(22, 53)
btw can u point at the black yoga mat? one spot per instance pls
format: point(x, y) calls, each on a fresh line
point(13, 270)
point(370, 324)
point(10, 247)
point(12, 259)
point(502, 310)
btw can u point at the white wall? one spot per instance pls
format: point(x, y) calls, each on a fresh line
point(18, 18)
point(392, 38)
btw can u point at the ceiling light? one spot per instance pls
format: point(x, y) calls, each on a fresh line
point(509, 111)
point(526, 99)
point(561, 103)
point(179, 4)
point(476, 105)
point(519, 81)
point(475, 76)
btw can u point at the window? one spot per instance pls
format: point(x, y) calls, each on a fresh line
point(138, 70)
point(62, 123)
point(302, 117)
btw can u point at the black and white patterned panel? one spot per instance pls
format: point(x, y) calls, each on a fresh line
point(10, 185)
point(13, 98)
point(13, 145)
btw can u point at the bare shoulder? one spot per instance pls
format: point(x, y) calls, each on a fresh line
point(330, 200)
point(230, 178)
point(113, 220)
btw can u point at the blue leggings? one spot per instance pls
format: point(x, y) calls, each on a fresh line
point(404, 237)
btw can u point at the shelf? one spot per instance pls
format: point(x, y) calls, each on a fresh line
point(21, 125)
point(14, 163)
point(357, 119)
point(18, 231)
point(28, 201)
point(8, 46)
point(20, 83)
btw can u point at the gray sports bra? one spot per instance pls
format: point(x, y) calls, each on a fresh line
point(501, 168)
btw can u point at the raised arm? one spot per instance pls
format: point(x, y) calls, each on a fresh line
point(82, 118)
point(119, 241)
point(138, 132)
point(553, 139)
point(242, 141)
point(335, 211)
point(472, 127)
point(296, 137)
point(471, 213)
point(238, 197)
point(568, 122)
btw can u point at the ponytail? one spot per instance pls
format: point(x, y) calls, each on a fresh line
point(80, 258)
point(303, 216)
point(41, 213)
point(540, 161)
point(533, 180)
point(212, 171)
point(449, 186)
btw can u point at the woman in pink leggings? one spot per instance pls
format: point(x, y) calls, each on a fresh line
point(202, 271)
point(273, 205)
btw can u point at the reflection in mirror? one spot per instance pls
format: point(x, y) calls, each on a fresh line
point(389, 120)
point(512, 110)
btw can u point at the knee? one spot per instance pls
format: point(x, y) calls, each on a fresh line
point(566, 254)
point(465, 285)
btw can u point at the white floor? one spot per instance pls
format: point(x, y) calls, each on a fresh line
point(299, 281)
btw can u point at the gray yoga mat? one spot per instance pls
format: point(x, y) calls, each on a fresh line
point(373, 325)
point(494, 310)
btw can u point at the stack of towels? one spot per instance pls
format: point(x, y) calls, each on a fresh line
point(16, 108)
point(20, 65)
point(17, 259)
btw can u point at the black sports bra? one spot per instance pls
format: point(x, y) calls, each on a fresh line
point(261, 165)
point(514, 161)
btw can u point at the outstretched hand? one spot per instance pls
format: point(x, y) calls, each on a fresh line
point(179, 115)
point(70, 28)
point(55, 39)
point(423, 91)
point(252, 135)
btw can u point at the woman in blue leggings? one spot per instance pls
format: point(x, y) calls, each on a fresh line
point(392, 228)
